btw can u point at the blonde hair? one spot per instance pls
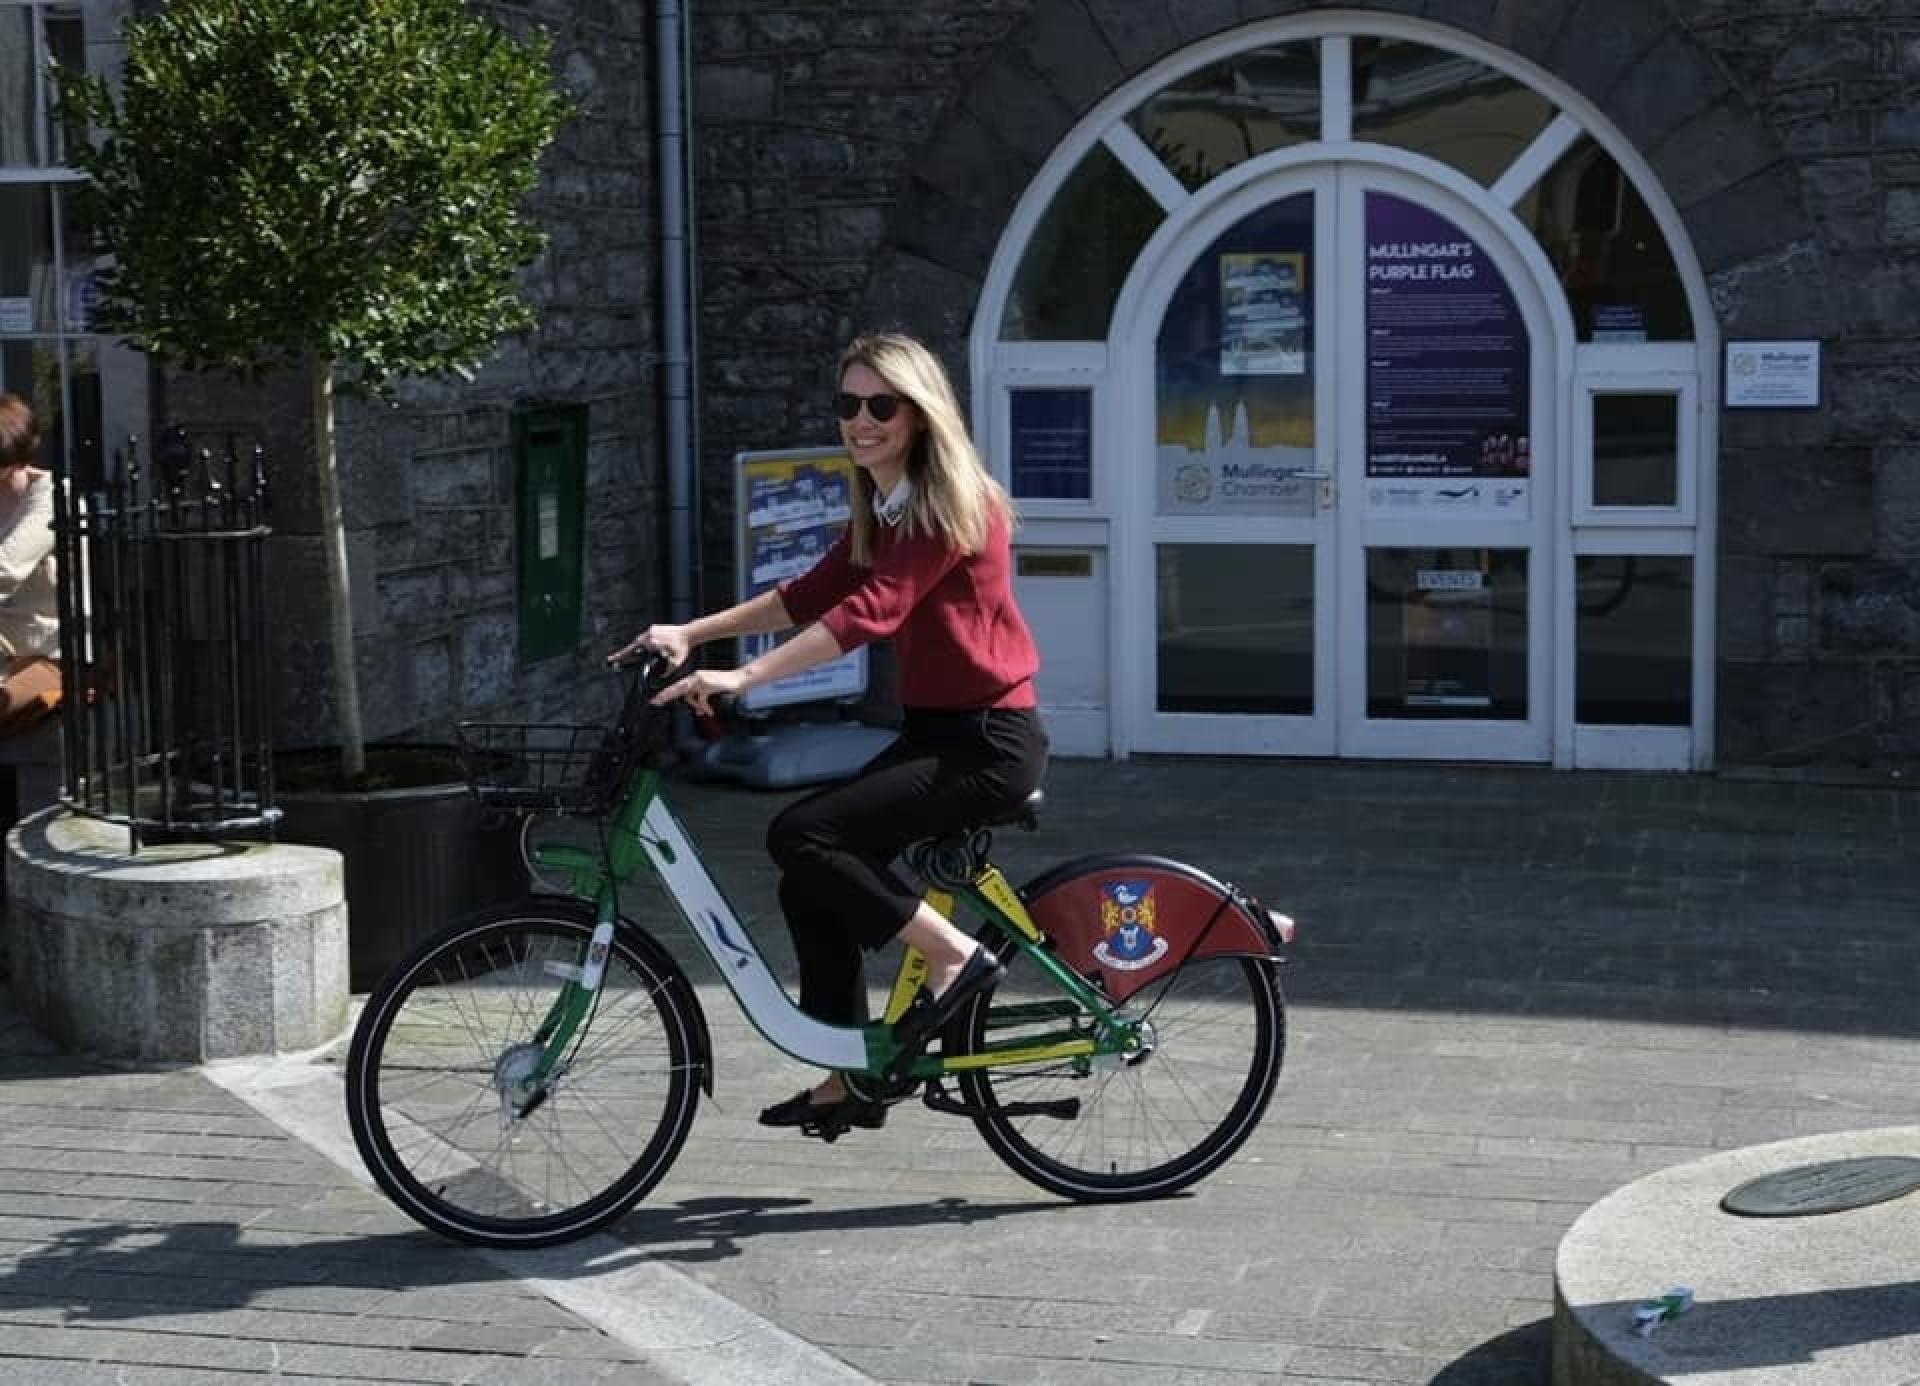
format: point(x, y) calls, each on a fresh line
point(954, 496)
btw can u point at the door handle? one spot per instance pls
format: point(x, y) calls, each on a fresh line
point(1323, 492)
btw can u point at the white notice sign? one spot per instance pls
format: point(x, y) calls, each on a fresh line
point(1773, 375)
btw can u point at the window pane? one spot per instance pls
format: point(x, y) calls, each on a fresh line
point(1235, 628)
point(66, 45)
point(1079, 257)
point(29, 298)
point(19, 143)
point(1051, 443)
point(1447, 107)
point(1254, 102)
point(1633, 640)
point(1447, 634)
point(1636, 449)
point(30, 370)
point(1611, 257)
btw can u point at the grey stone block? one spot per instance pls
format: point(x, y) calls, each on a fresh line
point(1138, 31)
point(183, 952)
point(1671, 85)
point(1795, 501)
point(1722, 146)
point(1600, 44)
point(1021, 109)
point(1070, 56)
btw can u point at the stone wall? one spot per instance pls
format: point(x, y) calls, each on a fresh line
point(858, 162)
point(1820, 537)
point(812, 122)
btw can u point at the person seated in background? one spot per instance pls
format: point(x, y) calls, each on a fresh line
point(29, 608)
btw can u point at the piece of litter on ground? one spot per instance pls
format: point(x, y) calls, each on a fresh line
point(1650, 1314)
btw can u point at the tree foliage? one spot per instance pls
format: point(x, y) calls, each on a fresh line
point(284, 180)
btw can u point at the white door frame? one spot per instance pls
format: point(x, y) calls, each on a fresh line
point(1338, 723)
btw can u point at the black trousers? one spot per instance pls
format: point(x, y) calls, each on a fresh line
point(835, 848)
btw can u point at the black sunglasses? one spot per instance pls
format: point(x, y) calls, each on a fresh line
point(880, 408)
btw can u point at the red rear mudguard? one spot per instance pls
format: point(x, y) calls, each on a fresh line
point(1130, 919)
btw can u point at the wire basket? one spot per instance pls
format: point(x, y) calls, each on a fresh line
point(554, 767)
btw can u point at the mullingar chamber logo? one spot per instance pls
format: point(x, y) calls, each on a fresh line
point(1127, 916)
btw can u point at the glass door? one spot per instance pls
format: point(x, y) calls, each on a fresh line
point(1345, 549)
point(1235, 569)
point(1446, 465)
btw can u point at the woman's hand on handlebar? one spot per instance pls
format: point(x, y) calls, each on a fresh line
point(701, 687)
point(669, 642)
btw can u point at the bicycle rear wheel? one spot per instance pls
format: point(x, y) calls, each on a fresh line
point(441, 1039)
point(1150, 1124)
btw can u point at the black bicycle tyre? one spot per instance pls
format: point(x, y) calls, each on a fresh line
point(652, 987)
point(1020, 1141)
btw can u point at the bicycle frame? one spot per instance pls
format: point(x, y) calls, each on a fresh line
point(644, 828)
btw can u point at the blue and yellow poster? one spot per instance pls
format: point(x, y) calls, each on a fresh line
point(791, 506)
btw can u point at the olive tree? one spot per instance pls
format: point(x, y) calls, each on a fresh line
point(329, 186)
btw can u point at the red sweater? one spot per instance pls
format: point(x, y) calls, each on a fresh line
point(960, 641)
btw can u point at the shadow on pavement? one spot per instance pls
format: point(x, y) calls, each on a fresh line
point(712, 1229)
point(124, 1271)
point(1521, 1357)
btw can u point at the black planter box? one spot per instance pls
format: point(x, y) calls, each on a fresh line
point(415, 859)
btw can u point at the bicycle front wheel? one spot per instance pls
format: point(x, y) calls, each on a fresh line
point(1148, 1124)
point(431, 1079)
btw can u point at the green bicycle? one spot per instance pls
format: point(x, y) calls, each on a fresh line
point(529, 1074)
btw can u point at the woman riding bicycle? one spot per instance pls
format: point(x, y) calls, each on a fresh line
point(925, 562)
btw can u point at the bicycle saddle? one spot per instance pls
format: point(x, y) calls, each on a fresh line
point(1025, 814)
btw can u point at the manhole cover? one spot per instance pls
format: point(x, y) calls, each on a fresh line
point(1825, 1188)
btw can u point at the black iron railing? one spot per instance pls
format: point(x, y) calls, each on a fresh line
point(166, 695)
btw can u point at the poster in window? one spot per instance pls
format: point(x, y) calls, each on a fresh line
point(1448, 370)
point(1263, 314)
point(1050, 443)
point(1447, 633)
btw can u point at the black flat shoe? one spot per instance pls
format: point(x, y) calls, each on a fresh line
point(928, 1015)
point(825, 1120)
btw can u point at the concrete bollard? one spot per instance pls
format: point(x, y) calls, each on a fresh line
point(184, 952)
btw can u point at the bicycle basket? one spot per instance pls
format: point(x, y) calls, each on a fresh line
point(555, 767)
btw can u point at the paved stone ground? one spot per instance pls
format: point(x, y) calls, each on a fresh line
point(155, 1231)
point(1514, 992)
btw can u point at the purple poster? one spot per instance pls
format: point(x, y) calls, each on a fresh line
point(1447, 369)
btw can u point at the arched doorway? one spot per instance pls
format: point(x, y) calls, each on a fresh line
point(1351, 375)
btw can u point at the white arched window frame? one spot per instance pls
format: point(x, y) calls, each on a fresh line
point(1583, 369)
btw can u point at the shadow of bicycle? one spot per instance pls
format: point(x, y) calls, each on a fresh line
point(714, 1229)
point(121, 1271)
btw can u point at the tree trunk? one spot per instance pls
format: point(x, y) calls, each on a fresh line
point(333, 538)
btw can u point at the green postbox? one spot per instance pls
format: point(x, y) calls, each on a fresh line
point(550, 452)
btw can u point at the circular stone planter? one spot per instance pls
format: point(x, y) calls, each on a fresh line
point(181, 952)
point(1828, 1299)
